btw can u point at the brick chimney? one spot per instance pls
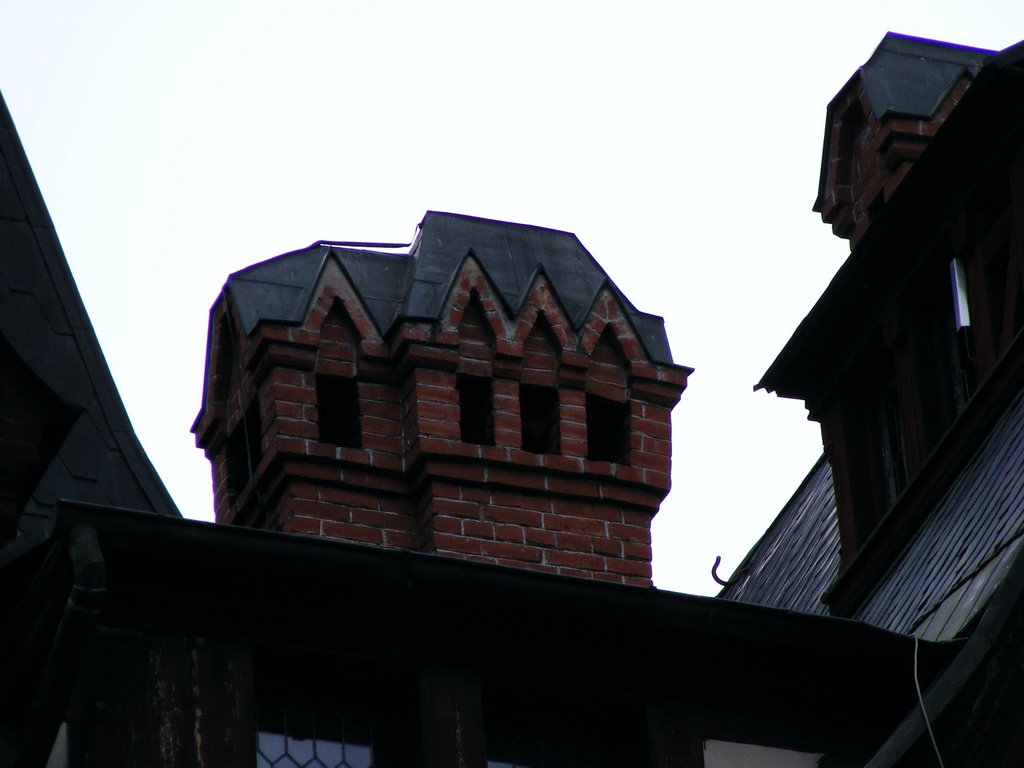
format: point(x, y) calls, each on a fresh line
point(490, 396)
point(881, 122)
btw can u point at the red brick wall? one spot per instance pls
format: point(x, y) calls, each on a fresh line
point(476, 340)
point(412, 482)
point(540, 356)
point(336, 351)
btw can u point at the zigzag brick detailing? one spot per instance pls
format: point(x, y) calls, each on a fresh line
point(520, 415)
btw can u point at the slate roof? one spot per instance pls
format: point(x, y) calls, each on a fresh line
point(912, 76)
point(798, 556)
point(416, 285)
point(46, 339)
point(942, 578)
point(956, 558)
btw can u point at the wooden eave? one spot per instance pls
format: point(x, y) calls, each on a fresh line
point(172, 577)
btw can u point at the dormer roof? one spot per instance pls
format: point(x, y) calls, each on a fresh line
point(911, 76)
point(906, 77)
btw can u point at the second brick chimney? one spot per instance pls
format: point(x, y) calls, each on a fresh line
point(490, 395)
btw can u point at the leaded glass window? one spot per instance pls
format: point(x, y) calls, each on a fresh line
point(304, 739)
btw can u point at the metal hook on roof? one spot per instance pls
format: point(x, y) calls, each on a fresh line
point(714, 572)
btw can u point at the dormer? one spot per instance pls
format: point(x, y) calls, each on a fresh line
point(489, 395)
point(915, 349)
point(880, 122)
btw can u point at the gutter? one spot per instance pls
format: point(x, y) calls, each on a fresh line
point(231, 560)
point(69, 648)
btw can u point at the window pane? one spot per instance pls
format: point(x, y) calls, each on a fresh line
point(301, 750)
point(271, 745)
point(313, 739)
point(726, 754)
point(358, 756)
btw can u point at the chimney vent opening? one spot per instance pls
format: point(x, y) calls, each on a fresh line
point(607, 430)
point(476, 409)
point(538, 408)
point(337, 403)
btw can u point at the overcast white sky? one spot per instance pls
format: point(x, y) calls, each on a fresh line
point(176, 142)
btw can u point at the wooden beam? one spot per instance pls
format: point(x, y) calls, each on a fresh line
point(452, 719)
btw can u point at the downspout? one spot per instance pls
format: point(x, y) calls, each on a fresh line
point(70, 646)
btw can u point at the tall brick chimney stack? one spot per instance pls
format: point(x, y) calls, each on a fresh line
point(490, 396)
point(882, 120)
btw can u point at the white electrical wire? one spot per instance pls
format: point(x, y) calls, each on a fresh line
point(920, 698)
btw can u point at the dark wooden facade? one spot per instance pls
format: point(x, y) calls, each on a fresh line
point(200, 636)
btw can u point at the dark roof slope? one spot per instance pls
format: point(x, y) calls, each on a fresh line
point(798, 556)
point(942, 578)
point(957, 557)
point(416, 285)
point(280, 289)
point(90, 453)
